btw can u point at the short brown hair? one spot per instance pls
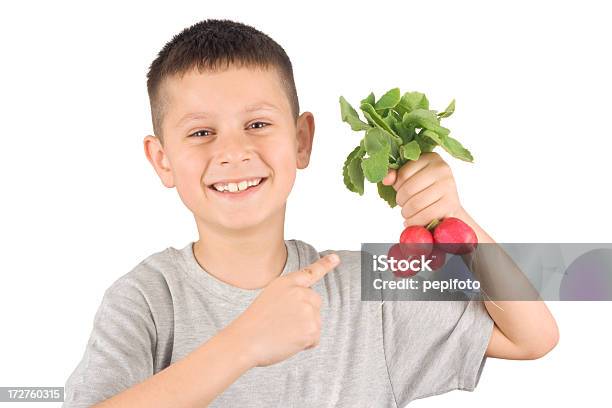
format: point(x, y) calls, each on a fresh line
point(208, 44)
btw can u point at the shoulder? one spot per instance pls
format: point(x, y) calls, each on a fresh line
point(146, 285)
point(349, 259)
point(344, 276)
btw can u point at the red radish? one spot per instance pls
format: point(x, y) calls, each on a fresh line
point(438, 258)
point(454, 236)
point(396, 253)
point(416, 240)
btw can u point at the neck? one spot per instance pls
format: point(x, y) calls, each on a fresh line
point(247, 258)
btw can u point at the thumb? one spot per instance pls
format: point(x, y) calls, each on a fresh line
point(390, 177)
point(314, 272)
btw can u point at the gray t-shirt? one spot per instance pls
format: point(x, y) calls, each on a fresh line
point(369, 354)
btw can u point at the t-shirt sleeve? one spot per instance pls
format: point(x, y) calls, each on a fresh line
point(120, 349)
point(435, 346)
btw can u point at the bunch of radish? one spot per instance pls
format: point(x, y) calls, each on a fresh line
point(451, 235)
point(398, 129)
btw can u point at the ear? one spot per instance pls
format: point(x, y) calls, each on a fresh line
point(305, 128)
point(159, 159)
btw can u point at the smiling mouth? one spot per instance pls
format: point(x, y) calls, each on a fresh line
point(230, 190)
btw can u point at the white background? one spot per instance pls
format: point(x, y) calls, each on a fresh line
point(81, 206)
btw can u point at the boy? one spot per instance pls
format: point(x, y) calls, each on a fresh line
point(243, 317)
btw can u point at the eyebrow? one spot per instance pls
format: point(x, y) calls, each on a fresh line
point(250, 108)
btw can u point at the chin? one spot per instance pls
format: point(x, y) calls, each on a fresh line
point(239, 222)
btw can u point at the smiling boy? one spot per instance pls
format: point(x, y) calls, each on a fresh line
point(243, 317)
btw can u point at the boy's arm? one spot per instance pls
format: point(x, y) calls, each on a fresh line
point(120, 360)
point(118, 365)
point(283, 320)
point(426, 190)
point(523, 329)
point(195, 380)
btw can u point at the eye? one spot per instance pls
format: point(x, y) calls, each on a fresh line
point(260, 127)
point(195, 134)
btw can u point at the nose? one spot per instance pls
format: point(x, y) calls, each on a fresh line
point(235, 149)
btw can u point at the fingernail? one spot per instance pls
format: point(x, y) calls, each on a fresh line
point(333, 258)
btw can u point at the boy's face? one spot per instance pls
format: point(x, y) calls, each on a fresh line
point(230, 125)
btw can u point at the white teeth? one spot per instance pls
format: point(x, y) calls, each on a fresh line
point(234, 187)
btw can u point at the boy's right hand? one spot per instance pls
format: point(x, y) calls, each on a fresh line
point(285, 317)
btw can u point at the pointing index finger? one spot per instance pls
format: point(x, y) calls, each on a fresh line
point(314, 272)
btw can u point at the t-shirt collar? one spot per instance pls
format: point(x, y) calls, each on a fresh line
point(230, 293)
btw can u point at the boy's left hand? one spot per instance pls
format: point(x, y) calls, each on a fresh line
point(425, 189)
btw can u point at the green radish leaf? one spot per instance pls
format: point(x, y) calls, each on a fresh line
point(413, 100)
point(350, 116)
point(436, 138)
point(375, 141)
point(375, 167)
point(398, 130)
point(426, 119)
point(397, 116)
point(394, 141)
point(407, 133)
point(452, 146)
point(421, 118)
point(345, 175)
point(410, 151)
point(393, 149)
point(390, 119)
point(368, 99)
point(457, 150)
point(396, 126)
point(356, 174)
point(347, 180)
point(370, 113)
point(425, 144)
point(370, 120)
point(448, 111)
point(353, 179)
point(388, 100)
point(387, 193)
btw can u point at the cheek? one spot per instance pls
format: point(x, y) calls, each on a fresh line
point(187, 177)
point(287, 179)
point(283, 162)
